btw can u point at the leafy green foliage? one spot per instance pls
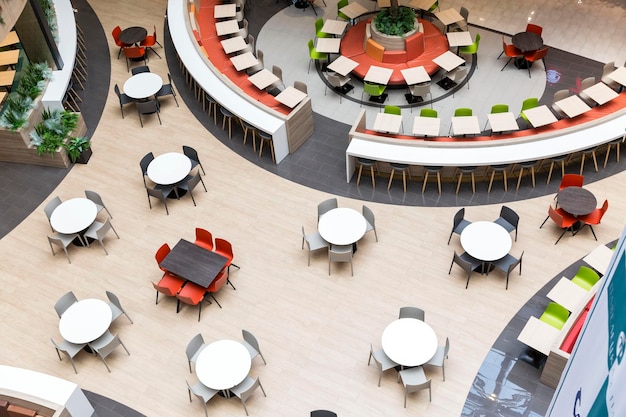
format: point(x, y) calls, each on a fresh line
point(32, 81)
point(398, 23)
point(76, 146)
point(51, 17)
point(51, 133)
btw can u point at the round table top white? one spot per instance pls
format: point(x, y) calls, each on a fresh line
point(73, 216)
point(85, 321)
point(409, 342)
point(223, 364)
point(486, 241)
point(143, 85)
point(169, 168)
point(342, 226)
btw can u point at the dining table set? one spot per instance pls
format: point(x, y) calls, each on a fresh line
point(169, 169)
point(143, 86)
point(342, 226)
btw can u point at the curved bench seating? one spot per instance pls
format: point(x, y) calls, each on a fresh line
point(434, 44)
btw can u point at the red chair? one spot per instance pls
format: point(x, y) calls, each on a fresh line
point(168, 285)
point(204, 239)
point(150, 41)
point(161, 254)
point(116, 37)
point(134, 53)
point(534, 56)
point(534, 29)
point(510, 51)
point(571, 180)
point(594, 218)
point(218, 283)
point(562, 219)
point(191, 294)
point(224, 248)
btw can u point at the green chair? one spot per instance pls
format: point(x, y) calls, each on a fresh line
point(319, 23)
point(314, 55)
point(428, 113)
point(529, 103)
point(374, 90)
point(471, 49)
point(462, 112)
point(433, 7)
point(555, 315)
point(341, 4)
point(585, 277)
point(395, 110)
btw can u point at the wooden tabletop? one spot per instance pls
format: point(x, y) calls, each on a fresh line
point(194, 263)
point(133, 34)
point(577, 201)
point(527, 41)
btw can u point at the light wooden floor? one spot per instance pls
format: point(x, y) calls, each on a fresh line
point(314, 329)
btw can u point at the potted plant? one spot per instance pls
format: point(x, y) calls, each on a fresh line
point(395, 22)
point(78, 149)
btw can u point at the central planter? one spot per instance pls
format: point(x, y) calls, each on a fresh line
point(392, 42)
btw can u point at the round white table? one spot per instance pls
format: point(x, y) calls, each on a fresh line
point(342, 226)
point(73, 216)
point(85, 321)
point(169, 168)
point(223, 364)
point(486, 241)
point(409, 342)
point(143, 85)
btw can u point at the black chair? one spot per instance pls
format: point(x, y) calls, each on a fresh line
point(459, 223)
point(508, 219)
point(167, 90)
point(160, 192)
point(148, 107)
point(467, 262)
point(189, 183)
point(192, 154)
point(123, 98)
point(508, 264)
point(139, 70)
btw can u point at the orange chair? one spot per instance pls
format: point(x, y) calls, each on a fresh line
point(534, 56)
point(204, 239)
point(224, 248)
point(161, 254)
point(562, 219)
point(571, 180)
point(168, 285)
point(134, 53)
point(534, 29)
point(150, 41)
point(218, 283)
point(510, 51)
point(116, 37)
point(594, 218)
point(191, 294)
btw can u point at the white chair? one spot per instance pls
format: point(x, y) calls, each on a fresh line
point(415, 380)
point(97, 200)
point(314, 241)
point(340, 253)
point(586, 83)
point(325, 206)
point(116, 307)
point(337, 82)
point(50, 206)
point(250, 342)
point(105, 345)
point(63, 241)
point(382, 361)
point(440, 356)
point(203, 393)
point(420, 90)
point(370, 220)
point(98, 231)
point(411, 313)
point(70, 350)
point(64, 302)
point(244, 390)
point(193, 349)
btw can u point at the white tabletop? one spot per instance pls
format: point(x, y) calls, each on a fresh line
point(234, 44)
point(85, 321)
point(342, 226)
point(486, 241)
point(448, 61)
point(619, 75)
point(223, 364)
point(243, 61)
point(343, 65)
point(600, 93)
point(599, 258)
point(387, 122)
point(169, 168)
point(427, 126)
point(378, 75)
point(465, 125)
point(290, 97)
point(263, 78)
point(328, 45)
point(415, 75)
point(459, 38)
point(73, 216)
point(227, 27)
point(502, 122)
point(143, 85)
point(540, 116)
point(538, 335)
point(568, 294)
point(334, 27)
point(409, 342)
point(422, 4)
point(353, 10)
point(572, 106)
point(225, 10)
point(449, 16)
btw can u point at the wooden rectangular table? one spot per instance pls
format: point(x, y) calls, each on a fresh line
point(6, 78)
point(234, 44)
point(222, 11)
point(9, 58)
point(600, 93)
point(227, 27)
point(334, 27)
point(291, 96)
point(243, 61)
point(465, 125)
point(10, 39)
point(448, 61)
point(415, 75)
point(378, 75)
point(619, 76)
point(538, 335)
point(194, 263)
point(427, 126)
point(459, 39)
point(449, 16)
point(328, 45)
point(568, 294)
point(540, 116)
point(572, 106)
point(386, 122)
point(343, 65)
point(424, 5)
point(502, 122)
point(263, 79)
point(353, 10)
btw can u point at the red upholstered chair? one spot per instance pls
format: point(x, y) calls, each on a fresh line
point(134, 53)
point(218, 283)
point(510, 51)
point(161, 254)
point(204, 239)
point(224, 248)
point(571, 180)
point(594, 218)
point(169, 285)
point(191, 294)
point(562, 219)
point(150, 41)
point(534, 56)
point(116, 37)
point(534, 29)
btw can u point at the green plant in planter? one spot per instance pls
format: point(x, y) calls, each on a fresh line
point(51, 133)
point(398, 23)
point(76, 146)
point(32, 81)
point(15, 109)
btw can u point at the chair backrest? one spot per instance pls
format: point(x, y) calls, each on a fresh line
point(540, 54)
point(509, 215)
point(465, 13)
point(605, 207)
point(112, 341)
point(65, 302)
point(162, 289)
point(530, 103)
point(379, 364)
point(428, 113)
point(249, 337)
point(114, 300)
point(499, 108)
point(420, 89)
point(446, 349)
point(326, 206)
point(94, 196)
point(571, 180)
point(374, 50)
point(218, 282)
point(134, 52)
point(462, 112)
point(162, 252)
point(587, 275)
point(556, 216)
point(277, 72)
point(118, 93)
point(369, 216)
point(338, 253)
point(193, 181)
point(116, 33)
point(560, 95)
point(608, 68)
point(459, 74)
point(341, 4)
point(104, 229)
point(190, 153)
point(466, 266)
point(393, 110)
point(319, 23)
point(204, 236)
point(194, 345)
point(251, 41)
point(458, 218)
point(534, 28)
point(587, 82)
point(147, 107)
point(323, 413)
point(411, 313)
point(51, 205)
point(223, 247)
point(244, 395)
point(139, 69)
point(145, 161)
point(311, 46)
point(299, 85)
